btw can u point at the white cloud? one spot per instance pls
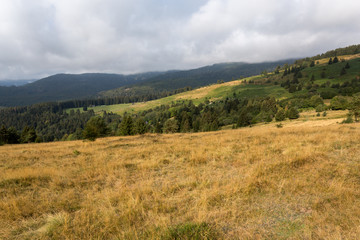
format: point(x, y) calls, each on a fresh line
point(43, 37)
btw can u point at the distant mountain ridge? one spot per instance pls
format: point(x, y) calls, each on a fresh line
point(195, 77)
point(62, 87)
point(8, 83)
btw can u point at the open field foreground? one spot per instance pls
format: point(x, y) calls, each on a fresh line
point(296, 182)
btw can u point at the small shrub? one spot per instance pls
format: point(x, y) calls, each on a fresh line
point(324, 114)
point(349, 119)
point(320, 108)
point(280, 115)
point(279, 125)
point(292, 113)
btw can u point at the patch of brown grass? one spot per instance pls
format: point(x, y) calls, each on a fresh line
point(297, 182)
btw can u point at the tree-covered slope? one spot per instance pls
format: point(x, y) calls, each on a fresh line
point(66, 86)
point(195, 77)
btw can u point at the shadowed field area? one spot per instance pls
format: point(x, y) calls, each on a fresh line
point(301, 181)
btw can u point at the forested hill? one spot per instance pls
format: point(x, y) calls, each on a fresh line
point(61, 87)
point(170, 81)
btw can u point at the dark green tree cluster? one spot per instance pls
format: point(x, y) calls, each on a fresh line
point(350, 50)
point(95, 128)
point(8, 135)
point(47, 121)
point(129, 97)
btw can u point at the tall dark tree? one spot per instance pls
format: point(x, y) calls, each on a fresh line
point(127, 126)
point(94, 128)
point(343, 71)
point(28, 135)
point(140, 126)
point(335, 60)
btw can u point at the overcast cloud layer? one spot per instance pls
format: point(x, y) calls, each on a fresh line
point(44, 37)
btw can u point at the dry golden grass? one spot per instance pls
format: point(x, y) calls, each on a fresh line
point(296, 182)
point(345, 57)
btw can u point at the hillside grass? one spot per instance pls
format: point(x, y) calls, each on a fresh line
point(300, 181)
point(332, 72)
point(219, 91)
point(212, 93)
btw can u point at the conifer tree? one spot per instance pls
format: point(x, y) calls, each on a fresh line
point(280, 115)
point(94, 128)
point(343, 71)
point(335, 60)
point(140, 126)
point(126, 126)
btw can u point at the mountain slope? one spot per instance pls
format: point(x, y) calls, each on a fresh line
point(196, 77)
point(66, 86)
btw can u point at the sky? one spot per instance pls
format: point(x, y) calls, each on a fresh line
point(39, 38)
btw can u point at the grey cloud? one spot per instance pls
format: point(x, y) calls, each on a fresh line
point(43, 37)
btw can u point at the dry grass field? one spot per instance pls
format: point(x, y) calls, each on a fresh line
point(301, 181)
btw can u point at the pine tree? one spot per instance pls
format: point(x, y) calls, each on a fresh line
point(280, 115)
point(336, 60)
point(330, 61)
point(3, 135)
point(312, 78)
point(343, 71)
point(126, 126)
point(171, 126)
point(140, 126)
point(28, 135)
point(94, 128)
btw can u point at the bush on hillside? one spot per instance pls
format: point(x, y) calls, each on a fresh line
point(94, 128)
point(292, 113)
point(339, 103)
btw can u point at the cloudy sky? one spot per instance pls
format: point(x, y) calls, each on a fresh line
point(43, 37)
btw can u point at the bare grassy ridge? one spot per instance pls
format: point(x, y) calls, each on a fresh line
point(296, 182)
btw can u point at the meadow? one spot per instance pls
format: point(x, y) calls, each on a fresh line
point(300, 180)
point(212, 92)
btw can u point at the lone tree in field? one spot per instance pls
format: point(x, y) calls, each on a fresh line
point(94, 128)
